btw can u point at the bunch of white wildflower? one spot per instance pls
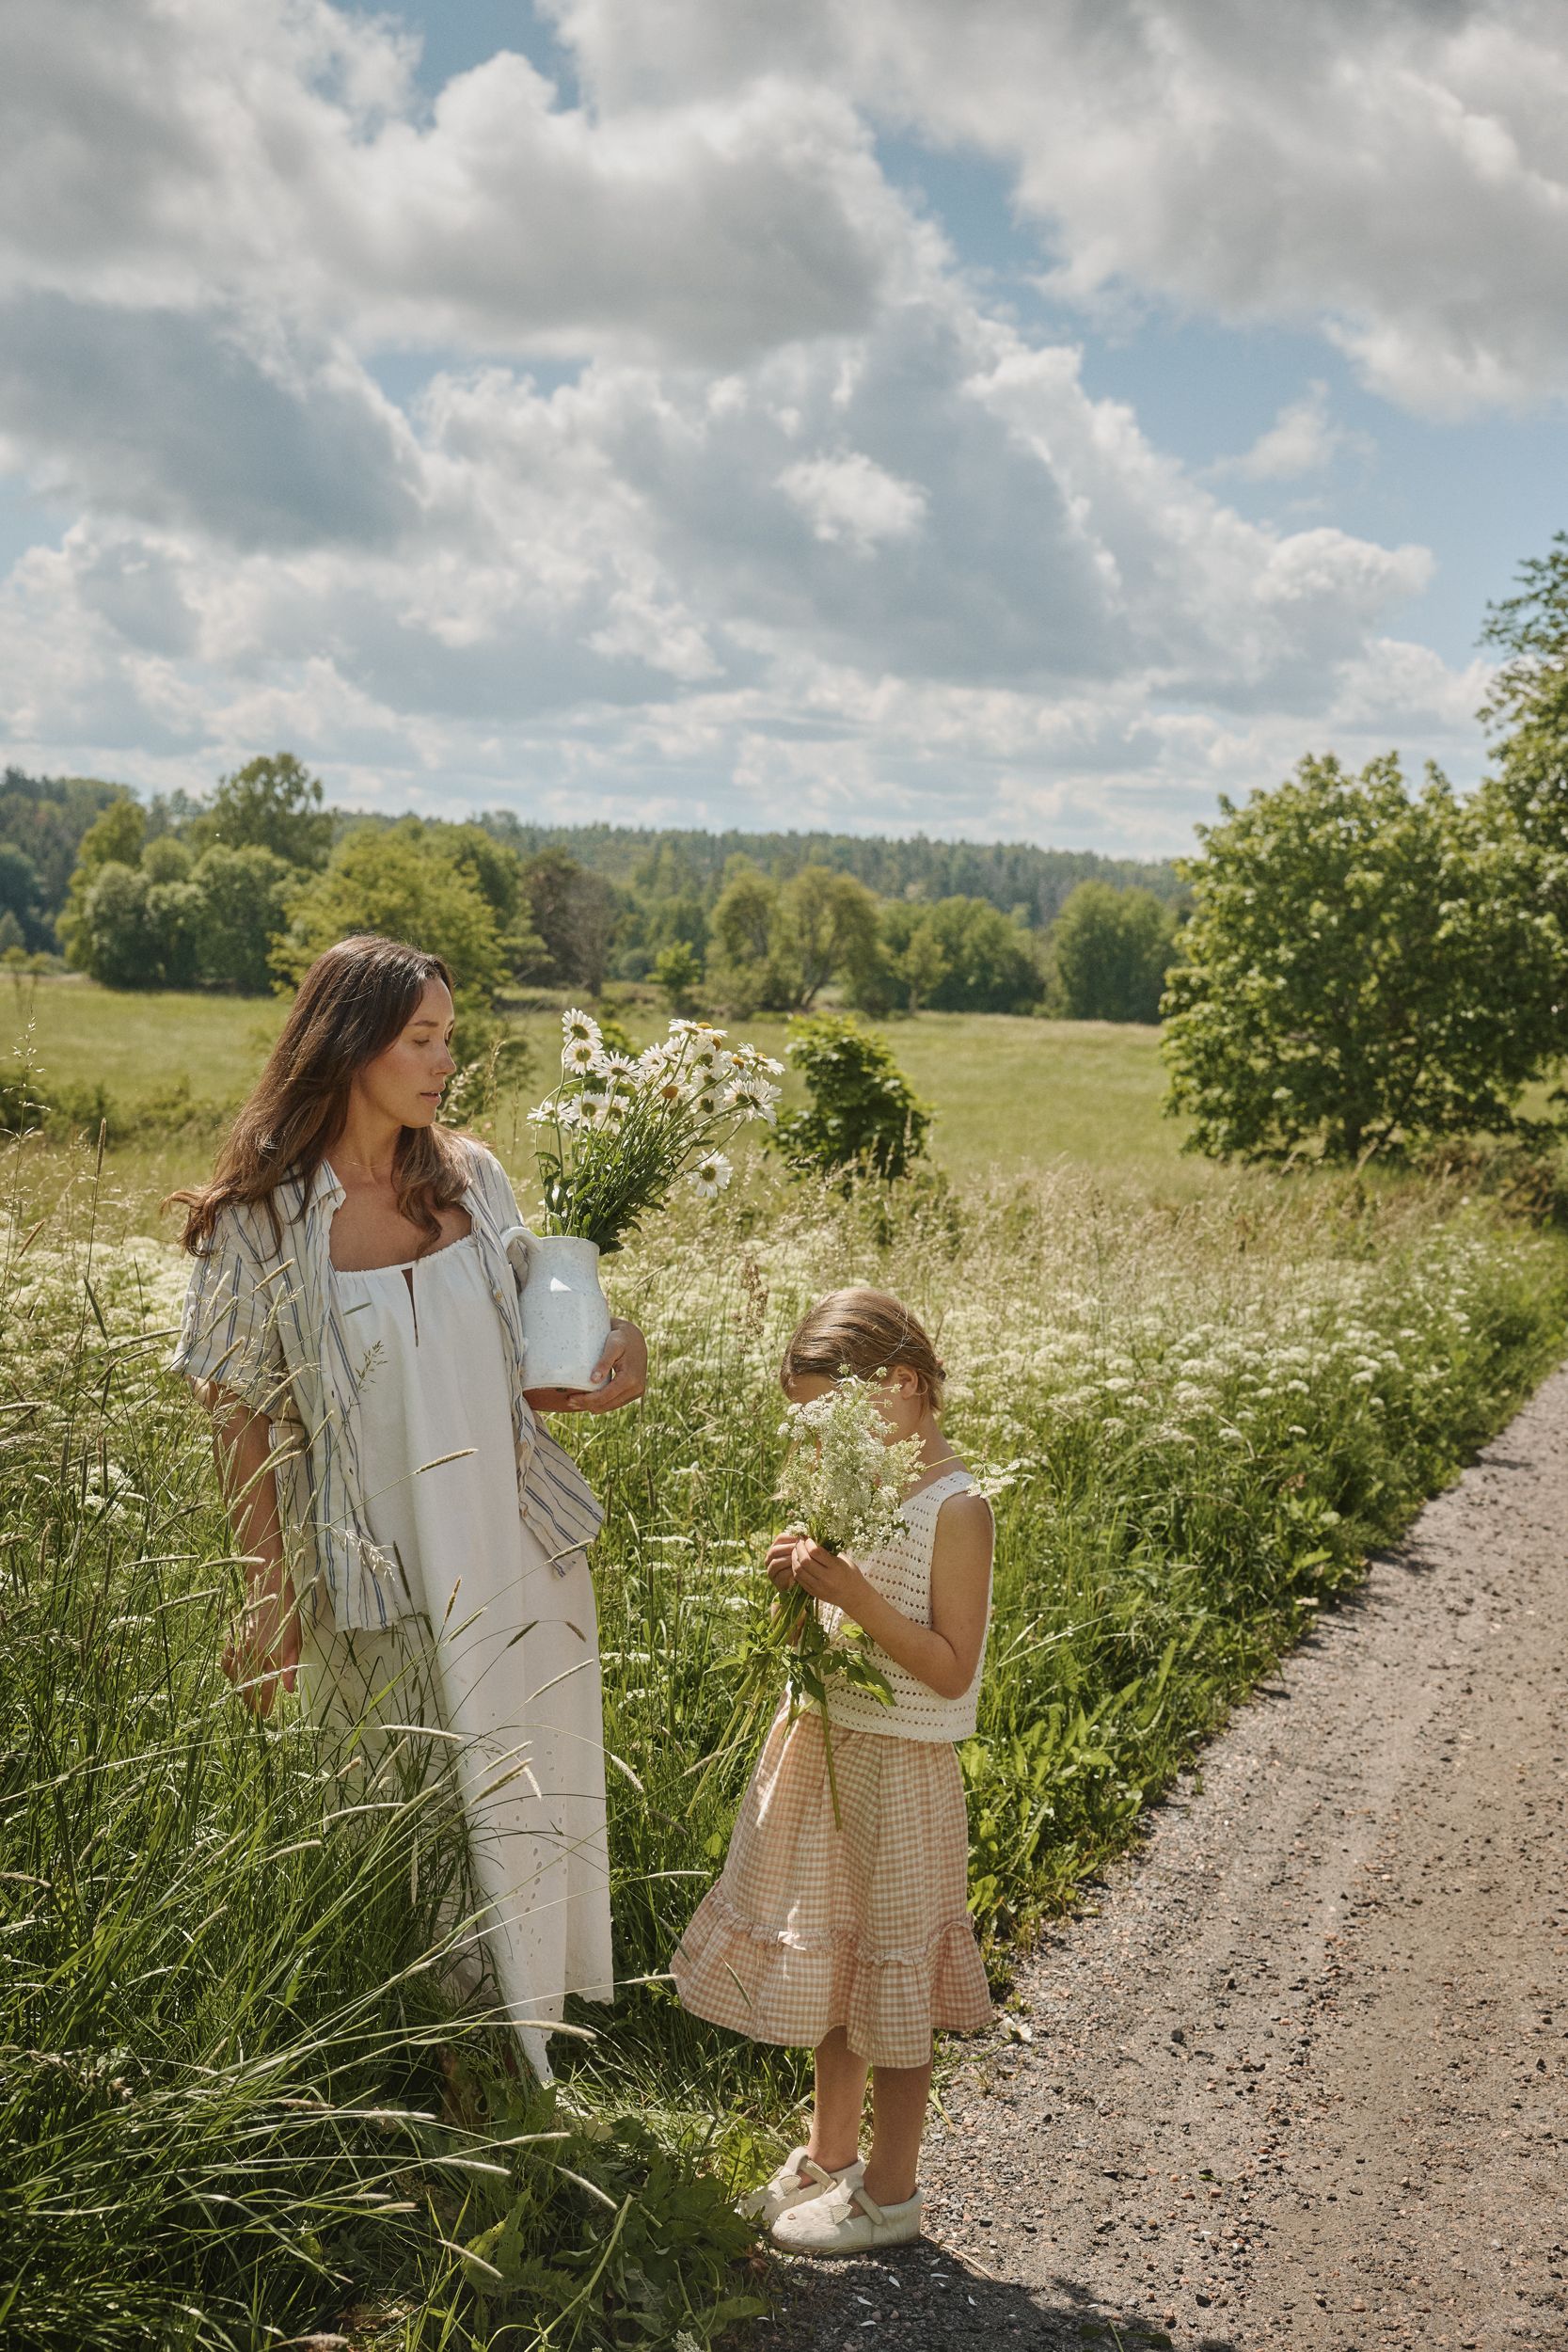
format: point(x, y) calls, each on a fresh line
point(844, 1480)
point(845, 1476)
point(618, 1133)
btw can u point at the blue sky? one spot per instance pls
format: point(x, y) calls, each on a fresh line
point(970, 420)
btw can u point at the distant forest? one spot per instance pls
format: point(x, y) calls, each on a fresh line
point(240, 888)
point(1030, 883)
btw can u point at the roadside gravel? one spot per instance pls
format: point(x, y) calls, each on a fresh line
point(1300, 2078)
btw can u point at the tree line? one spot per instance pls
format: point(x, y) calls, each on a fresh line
point(239, 890)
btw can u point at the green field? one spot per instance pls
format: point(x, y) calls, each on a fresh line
point(1009, 1093)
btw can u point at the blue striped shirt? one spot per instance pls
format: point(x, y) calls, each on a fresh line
point(261, 1319)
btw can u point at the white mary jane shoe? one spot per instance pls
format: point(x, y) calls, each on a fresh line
point(844, 2220)
point(786, 2189)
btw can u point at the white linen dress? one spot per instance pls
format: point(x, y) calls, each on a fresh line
point(503, 1653)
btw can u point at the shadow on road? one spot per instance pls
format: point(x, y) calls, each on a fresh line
point(917, 2299)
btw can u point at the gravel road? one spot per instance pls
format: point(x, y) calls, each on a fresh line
point(1301, 2077)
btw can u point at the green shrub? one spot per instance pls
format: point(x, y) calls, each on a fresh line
point(678, 973)
point(865, 1119)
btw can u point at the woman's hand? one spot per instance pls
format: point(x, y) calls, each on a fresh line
point(826, 1577)
point(620, 1377)
point(264, 1648)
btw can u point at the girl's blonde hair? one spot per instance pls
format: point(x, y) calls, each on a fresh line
point(863, 1331)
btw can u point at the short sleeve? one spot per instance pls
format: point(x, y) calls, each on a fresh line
point(229, 1329)
point(498, 1187)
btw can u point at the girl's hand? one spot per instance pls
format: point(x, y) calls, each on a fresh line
point(620, 1377)
point(780, 1563)
point(264, 1648)
point(826, 1577)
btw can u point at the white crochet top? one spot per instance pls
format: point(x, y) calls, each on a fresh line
point(902, 1574)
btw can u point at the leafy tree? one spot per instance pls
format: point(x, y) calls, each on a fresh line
point(990, 965)
point(398, 881)
point(1362, 968)
point(496, 873)
point(269, 804)
point(165, 860)
point(741, 970)
point(1112, 949)
point(776, 947)
point(174, 923)
point(865, 1117)
point(22, 899)
point(1528, 708)
point(576, 913)
point(115, 838)
point(13, 941)
point(823, 923)
point(111, 935)
point(678, 971)
point(959, 955)
point(45, 816)
point(243, 912)
point(916, 958)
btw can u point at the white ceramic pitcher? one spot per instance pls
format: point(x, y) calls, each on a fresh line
point(566, 1314)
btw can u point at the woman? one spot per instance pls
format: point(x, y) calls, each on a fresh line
point(415, 1541)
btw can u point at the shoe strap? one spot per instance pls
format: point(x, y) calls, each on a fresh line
point(867, 2204)
point(813, 2170)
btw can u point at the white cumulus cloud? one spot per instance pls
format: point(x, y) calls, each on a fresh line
point(1394, 174)
point(851, 502)
point(723, 491)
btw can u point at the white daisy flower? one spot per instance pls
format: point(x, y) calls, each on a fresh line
point(748, 1058)
point(580, 1028)
point(754, 1098)
point(579, 1053)
point(710, 1176)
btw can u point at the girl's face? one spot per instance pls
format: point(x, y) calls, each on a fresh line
point(405, 1080)
point(900, 1400)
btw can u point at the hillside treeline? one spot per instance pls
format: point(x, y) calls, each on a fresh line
point(238, 890)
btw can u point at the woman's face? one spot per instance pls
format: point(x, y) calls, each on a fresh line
point(405, 1080)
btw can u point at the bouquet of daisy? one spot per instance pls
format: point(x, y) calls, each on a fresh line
point(620, 1131)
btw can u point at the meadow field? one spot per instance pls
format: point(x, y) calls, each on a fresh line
point(247, 2108)
point(1010, 1092)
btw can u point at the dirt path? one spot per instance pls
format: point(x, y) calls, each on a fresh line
point(1302, 2080)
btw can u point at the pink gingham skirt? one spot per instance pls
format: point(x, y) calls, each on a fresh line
point(811, 1925)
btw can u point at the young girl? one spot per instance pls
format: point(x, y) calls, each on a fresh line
point(852, 1937)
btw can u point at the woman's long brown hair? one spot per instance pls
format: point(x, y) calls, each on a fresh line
point(353, 1002)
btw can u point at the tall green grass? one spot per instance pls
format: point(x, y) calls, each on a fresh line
point(239, 2099)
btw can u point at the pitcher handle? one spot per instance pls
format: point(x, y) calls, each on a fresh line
point(519, 1244)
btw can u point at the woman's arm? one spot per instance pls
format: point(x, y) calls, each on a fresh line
point(264, 1648)
point(943, 1654)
